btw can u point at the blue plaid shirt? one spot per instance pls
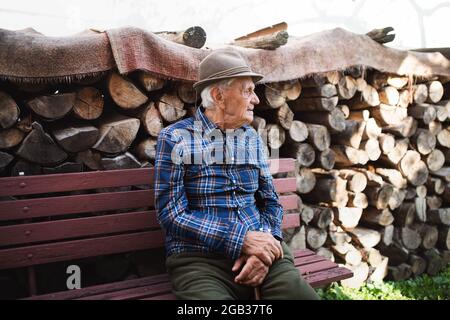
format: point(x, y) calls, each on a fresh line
point(211, 188)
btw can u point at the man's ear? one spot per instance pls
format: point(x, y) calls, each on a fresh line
point(217, 96)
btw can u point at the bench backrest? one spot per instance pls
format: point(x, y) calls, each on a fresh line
point(63, 217)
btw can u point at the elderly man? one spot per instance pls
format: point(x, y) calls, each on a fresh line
point(215, 197)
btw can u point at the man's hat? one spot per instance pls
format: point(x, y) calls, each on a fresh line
point(223, 64)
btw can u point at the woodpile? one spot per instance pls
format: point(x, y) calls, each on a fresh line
point(372, 151)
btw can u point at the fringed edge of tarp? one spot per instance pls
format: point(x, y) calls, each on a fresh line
point(68, 79)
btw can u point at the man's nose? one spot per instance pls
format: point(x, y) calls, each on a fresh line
point(255, 99)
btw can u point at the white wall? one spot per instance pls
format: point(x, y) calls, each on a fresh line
point(417, 23)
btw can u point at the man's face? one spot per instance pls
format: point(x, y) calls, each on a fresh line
point(239, 101)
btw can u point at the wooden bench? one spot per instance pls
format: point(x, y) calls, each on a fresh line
point(38, 227)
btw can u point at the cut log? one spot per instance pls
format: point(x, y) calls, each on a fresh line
point(325, 252)
point(260, 123)
point(444, 237)
point(375, 217)
point(367, 238)
point(88, 104)
point(306, 180)
point(356, 181)
point(318, 136)
point(278, 93)
point(90, 159)
point(307, 214)
point(420, 94)
point(186, 92)
point(400, 272)
point(276, 137)
point(387, 234)
point(298, 131)
point(397, 198)
point(435, 160)
point(328, 190)
point(421, 191)
point(435, 127)
point(418, 264)
point(434, 261)
point(314, 104)
point(360, 274)
point(347, 253)
point(405, 98)
point(399, 151)
point(116, 134)
point(381, 79)
point(151, 120)
point(410, 238)
point(439, 216)
point(150, 82)
point(326, 91)
point(443, 137)
point(5, 160)
point(443, 173)
point(318, 80)
point(40, 148)
point(334, 120)
point(428, 233)
point(386, 115)
point(346, 87)
point(421, 209)
point(194, 37)
point(358, 200)
point(146, 149)
point(372, 149)
point(379, 196)
point(325, 159)
point(405, 214)
point(367, 98)
point(424, 141)
point(423, 111)
point(396, 253)
point(76, 138)
point(282, 115)
point(413, 168)
point(405, 129)
point(9, 111)
point(171, 108)
point(265, 42)
point(345, 110)
point(322, 217)
point(303, 152)
point(124, 93)
point(11, 137)
point(435, 91)
point(362, 115)
point(392, 176)
point(387, 142)
point(360, 84)
point(441, 112)
point(347, 217)
point(315, 237)
point(53, 106)
point(123, 161)
point(352, 134)
point(380, 271)
point(389, 95)
point(348, 156)
point(435, 185)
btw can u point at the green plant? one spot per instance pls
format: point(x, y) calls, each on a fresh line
point(420, 288)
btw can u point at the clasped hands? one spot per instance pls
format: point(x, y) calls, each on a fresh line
point(259, 251)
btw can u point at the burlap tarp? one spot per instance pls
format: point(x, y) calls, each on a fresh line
point(29, 56)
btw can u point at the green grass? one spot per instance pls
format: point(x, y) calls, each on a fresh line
point(420, 288)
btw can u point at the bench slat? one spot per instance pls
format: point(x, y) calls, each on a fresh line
point(77, 249)
point(93, 226)
point(77, 228)
point(325, 277)
point(285, 184)
point(25, 185)
point(56, 206)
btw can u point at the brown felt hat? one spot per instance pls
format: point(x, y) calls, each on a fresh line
point(223, 64)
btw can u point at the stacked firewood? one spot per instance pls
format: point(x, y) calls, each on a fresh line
point(374, 168)
point(372, 151)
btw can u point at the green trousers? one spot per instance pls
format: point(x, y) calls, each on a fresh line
point(207, 276)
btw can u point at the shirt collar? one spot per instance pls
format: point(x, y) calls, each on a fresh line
point(207, 125)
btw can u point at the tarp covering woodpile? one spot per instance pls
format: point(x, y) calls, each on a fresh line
point(28, 56)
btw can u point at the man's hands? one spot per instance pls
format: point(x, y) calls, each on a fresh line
point(253, 273)
point(262, 245)
point(260, 250)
